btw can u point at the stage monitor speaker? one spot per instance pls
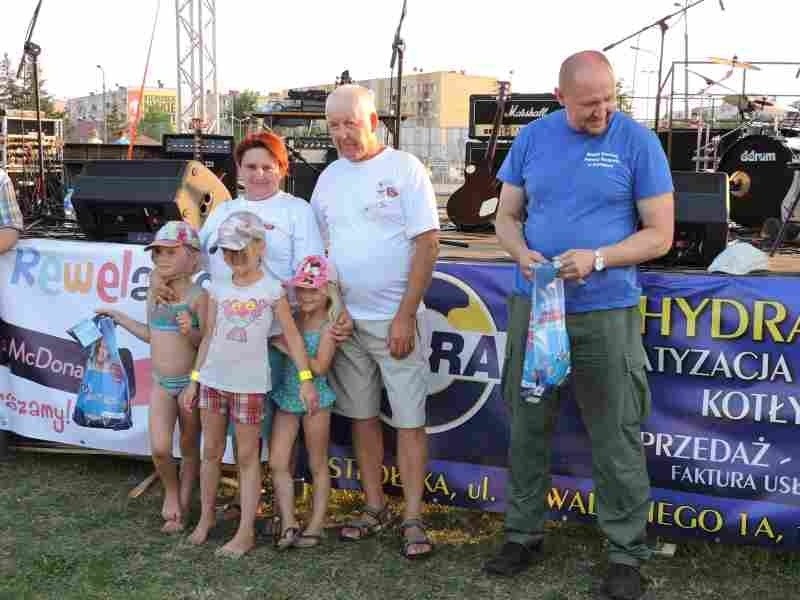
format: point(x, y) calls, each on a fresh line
point(701, 219)
point(129, 200)
point(476, 152)
point(303, 174)
point(216, 152)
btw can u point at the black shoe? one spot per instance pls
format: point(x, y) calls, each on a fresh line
point(513, 558)
point(624, 582)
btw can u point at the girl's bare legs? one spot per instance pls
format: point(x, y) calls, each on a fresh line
point(281, 451)
point(215, 427)
point(247, 437)
point(317, 435)
point(190, 454)
point(162, 415)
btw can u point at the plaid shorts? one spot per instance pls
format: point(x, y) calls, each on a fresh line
point(240, 407)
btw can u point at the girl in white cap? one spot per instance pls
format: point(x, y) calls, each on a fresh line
point(231, 373)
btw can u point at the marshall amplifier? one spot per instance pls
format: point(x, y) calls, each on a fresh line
point(476, 151)
point(520, 110)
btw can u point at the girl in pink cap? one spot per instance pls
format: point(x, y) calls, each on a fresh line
point(174, 332)
point(318, 306)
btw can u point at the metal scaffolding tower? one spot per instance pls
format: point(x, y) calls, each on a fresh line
point(196, 43)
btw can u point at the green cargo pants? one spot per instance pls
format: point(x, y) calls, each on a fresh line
point(611, 391)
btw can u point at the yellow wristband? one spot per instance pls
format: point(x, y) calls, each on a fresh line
point(305, 375)
point(194, 375)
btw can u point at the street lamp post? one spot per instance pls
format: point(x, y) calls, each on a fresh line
point(635, 62)
point(105, 118)
point(685, 6)
point(649, 73)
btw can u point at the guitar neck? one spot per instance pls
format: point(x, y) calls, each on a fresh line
point(496, 124)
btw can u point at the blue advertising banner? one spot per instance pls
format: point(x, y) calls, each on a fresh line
point(722, 357)
point(720, 440)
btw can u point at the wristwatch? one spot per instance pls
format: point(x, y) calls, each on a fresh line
point(599, 261)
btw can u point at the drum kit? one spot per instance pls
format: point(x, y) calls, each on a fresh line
point(755, 155)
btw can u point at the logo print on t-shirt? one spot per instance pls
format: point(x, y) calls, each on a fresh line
point(607, 160)
point(386, 188)
point(241, 313)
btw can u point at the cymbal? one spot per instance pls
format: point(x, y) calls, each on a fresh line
point(748, 102)
point(735, 62)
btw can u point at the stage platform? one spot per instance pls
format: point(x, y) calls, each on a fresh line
point(483, 247)
point(473, 247)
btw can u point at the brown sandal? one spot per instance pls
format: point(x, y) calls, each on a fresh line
point(307, 540)
point(287, 538)
point(372, 521)
point(419, 539)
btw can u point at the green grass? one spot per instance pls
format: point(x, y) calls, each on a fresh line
point(68, 530)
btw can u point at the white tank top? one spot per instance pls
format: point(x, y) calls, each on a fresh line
point(237, 356)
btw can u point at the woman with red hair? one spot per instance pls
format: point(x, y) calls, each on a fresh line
point(292, 231)
point(292, 234)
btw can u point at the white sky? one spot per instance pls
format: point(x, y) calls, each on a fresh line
point(268, 45)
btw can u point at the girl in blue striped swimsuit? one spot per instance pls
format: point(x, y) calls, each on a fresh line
point(174, 331)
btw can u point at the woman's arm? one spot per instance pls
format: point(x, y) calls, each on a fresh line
point(189, 393)
point(321, 364)
point(297, 350)
point(199, 307)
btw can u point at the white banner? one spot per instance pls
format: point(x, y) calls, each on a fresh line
point(46, 287)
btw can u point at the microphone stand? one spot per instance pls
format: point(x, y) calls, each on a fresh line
point(32, 51)
point(662, 25)
point(398, 49)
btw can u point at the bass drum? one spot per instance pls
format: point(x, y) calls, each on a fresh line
point(760, 181)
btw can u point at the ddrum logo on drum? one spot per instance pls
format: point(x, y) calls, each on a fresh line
point(753, 156)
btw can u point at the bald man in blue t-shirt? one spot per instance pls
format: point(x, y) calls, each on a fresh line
point(576, 186)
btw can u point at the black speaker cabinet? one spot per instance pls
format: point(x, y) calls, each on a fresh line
point(129, 200)
point(476, 153)
point(701, 219)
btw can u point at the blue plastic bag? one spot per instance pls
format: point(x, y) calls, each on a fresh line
point(104, 395)
point(547, 357)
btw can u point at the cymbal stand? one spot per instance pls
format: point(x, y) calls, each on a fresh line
point(663, 26)
point(795, 166)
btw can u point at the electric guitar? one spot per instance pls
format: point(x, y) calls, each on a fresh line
point(474, 204)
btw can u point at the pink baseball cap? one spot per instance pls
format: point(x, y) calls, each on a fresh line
point(314, 272)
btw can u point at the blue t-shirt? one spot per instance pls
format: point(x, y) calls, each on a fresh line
point(581, 191)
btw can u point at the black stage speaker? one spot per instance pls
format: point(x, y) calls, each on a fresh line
point(308, 157)
point(701, 219)
point(214, 151)
point(129, 200)
point(476, 152)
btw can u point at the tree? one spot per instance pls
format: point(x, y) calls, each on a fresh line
point(116, 121)
point(624, 102)
point(20, 96)
point(245, 104)
point(155, 123)
point(11, 95)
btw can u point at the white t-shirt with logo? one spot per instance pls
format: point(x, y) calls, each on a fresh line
point(292, 233)
point(237, 354)
point(369, 212)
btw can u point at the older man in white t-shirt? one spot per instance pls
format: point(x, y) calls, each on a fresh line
point(377, 211)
